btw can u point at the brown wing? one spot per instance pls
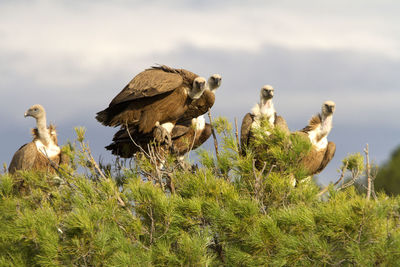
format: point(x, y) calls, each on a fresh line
point(312, 124)
point(329, 154)
point(126, 147)
point(180, 130)
point(191, 140)
point(202, 136)
point(148, 83)
point(280, 122)
point(245, 133)
point(24, 158)
point(146, 112)
point(312, 161)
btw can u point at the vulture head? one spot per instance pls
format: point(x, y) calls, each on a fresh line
point(36, 111)
point(328, 107)
point(199, 85)
point(214, 82)
point(267, 92)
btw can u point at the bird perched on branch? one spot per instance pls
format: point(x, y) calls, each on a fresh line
point(160, 105)
point(43, 150)
point(157, 97)
point(200, 106)
point(317, 132)
point(264, 110)
point(185, 137)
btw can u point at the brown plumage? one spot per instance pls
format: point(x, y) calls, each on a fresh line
point(191, 135)
point(36, 154)
point(313, 123)
point(317, 132)
point(185, 136)
point(263, 111)
point(157, 95)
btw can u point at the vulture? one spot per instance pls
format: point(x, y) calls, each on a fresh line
point(185, 137)
point(190, 136)
point(262, 111)
point(156, 97)
point(200, 106)
point(317, 132)
point(36, 154)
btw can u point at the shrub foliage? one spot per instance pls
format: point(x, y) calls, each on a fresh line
point(225, 212)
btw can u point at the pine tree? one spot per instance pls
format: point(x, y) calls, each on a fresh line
point(225, 212)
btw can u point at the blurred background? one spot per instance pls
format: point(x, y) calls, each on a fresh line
point(73, 57)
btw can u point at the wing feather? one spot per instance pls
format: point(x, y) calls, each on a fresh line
point(148, 83)
point(24, 158)
point(245, 131)
point(280, 122)
point(329, 154)
point(313, 123)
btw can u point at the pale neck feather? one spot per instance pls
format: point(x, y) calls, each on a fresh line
point(326, 126)
point(318, 136)
point(265, 109)
point(43, 132)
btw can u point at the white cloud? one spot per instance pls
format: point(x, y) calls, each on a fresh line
point(94, 35)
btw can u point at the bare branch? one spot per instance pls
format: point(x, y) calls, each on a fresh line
point(237, 135)
point(89, 156)
point(194, 139)
point(133, 141)
point(213, 133)
point(368, 170)
point(323, 191)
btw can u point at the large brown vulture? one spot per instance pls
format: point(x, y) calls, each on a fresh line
point(317, 131)
point(159, 95)
point(36, 154)
point(262, 111)
point(185, 136)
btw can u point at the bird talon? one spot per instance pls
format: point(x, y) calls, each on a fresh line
point(161, 135)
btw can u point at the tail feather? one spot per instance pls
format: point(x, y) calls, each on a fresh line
point(103, 117)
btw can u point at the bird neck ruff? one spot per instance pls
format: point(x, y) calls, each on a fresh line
point(264, 110)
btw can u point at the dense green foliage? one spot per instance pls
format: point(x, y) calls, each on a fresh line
point(388, 178)
point(225, 212)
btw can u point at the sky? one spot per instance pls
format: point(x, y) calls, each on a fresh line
point(73, 57)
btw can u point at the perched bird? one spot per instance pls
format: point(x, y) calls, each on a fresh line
point(200, 106)
point(190, 136)
point(317, 132)
point(37, 154)
point(157, 97)
point(185, 137)
point(262, 111)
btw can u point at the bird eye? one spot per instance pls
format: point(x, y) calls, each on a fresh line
point(35, 109)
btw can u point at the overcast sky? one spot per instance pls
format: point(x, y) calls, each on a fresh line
point(73, 57)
